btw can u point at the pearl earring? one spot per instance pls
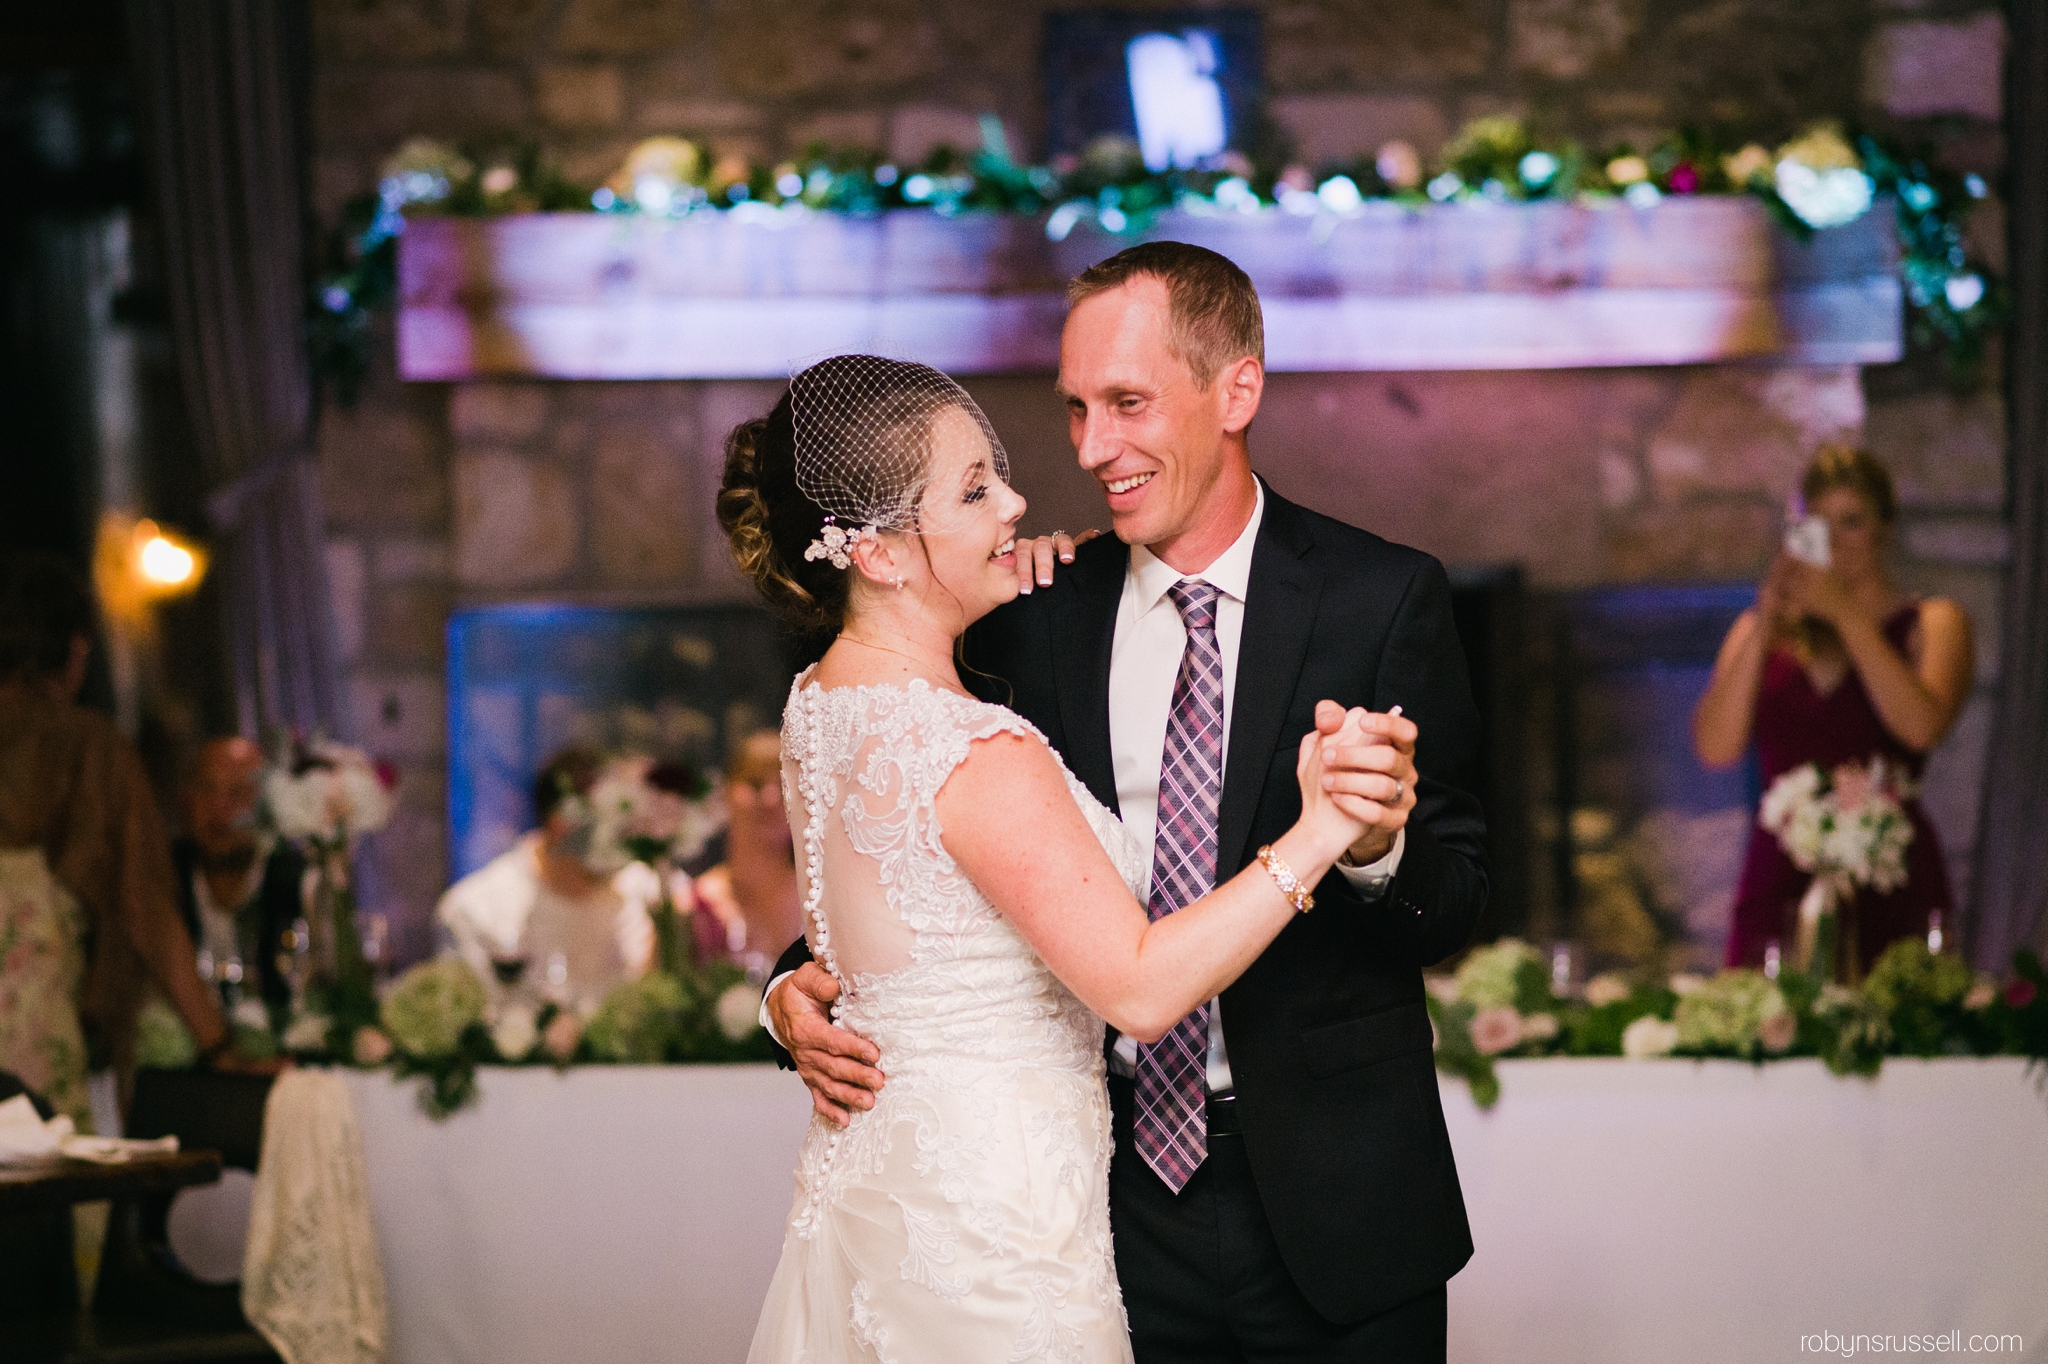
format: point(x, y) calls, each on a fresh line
point(898, 580)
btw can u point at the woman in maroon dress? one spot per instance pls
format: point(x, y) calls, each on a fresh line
point(1833, 665)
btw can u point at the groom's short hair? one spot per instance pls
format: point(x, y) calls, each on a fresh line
point(1214, 314)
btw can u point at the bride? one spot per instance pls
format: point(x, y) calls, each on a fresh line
point(977, 906)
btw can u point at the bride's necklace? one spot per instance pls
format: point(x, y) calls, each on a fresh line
point(922, 665)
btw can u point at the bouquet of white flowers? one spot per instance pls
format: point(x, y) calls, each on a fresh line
point(325, 794)
point(638, 810)
point(1849, 828)
point(658, 814)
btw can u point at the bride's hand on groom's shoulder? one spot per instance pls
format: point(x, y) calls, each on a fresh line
point(839, 1067)
point(1036, 557)
point(1368, 765)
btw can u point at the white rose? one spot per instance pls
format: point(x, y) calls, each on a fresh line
point(1539, 1027)
point(308, 1032)
point(1648, 1036)
point(739, 1011)
point(298, 805)
point(364, 796)
point(515, 1033)
point(1606, 988)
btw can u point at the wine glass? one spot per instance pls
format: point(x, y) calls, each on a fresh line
point(377, 946)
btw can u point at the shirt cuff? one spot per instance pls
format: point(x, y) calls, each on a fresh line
point(1372, 881)
point(767, 1025)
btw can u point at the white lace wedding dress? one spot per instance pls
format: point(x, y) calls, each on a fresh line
point(965, 1218)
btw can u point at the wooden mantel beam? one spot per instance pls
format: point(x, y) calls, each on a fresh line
point(1545, 286)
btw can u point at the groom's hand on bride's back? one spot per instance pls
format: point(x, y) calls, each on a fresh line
point(1036, 557)
point(839, 1066)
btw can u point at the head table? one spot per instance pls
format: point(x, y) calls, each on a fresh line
point(1623, 1210)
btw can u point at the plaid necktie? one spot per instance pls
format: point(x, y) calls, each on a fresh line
point(1172, 1127)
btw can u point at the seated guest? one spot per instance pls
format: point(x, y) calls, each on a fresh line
point(1835, 665)
point(753, 892)
point(240, 890)
point(84, 859)
point(536, 921)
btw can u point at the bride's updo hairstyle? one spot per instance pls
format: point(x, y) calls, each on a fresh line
point(846, 451)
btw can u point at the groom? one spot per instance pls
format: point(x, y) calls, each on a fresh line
point(1283, 1184)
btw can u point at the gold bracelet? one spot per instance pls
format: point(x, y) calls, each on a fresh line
point(1283, 876)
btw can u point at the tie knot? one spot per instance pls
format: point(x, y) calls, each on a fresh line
point(1196, 602)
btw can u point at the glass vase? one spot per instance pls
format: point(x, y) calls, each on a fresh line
point(341, 977)
point(675, 945)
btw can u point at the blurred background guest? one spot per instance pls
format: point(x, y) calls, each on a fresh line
point(88, 896)
point(537, 920)
point(240, 890)
point(752, 893)
point(1834, 665)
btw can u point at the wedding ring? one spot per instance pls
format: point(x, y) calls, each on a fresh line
point(1398, 789)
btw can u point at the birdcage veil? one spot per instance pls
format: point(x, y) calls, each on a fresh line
point(867, 432)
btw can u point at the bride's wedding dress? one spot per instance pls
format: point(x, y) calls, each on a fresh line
point(965, 1217)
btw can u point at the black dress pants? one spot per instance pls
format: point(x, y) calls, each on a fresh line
point(1202, 1278)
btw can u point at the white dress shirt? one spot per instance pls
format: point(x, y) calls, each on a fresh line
point(1144, 662)
point(505, 908)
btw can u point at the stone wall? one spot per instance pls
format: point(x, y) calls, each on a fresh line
point(438, 496)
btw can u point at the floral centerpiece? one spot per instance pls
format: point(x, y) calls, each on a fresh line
point(658, 814)
point(1501, 1003)
point(432, 1026)
point(1848, 827)
point(324, 797)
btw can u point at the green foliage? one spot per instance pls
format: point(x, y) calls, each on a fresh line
point(449, 1077)
point(1725, 1016)
point(644, 1021)
point(1455, 1054)
point(1921, 997)
point(1595, 1030)
point(433, 1007)
point(1955, 303)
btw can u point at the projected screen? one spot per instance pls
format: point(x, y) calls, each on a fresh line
point(1180, 84)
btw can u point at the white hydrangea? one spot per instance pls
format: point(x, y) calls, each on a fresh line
point(1649, 1036)
point(327, 793)
point(515, 1033)
point(739, 1011)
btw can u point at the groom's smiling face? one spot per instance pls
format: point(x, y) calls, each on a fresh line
point(1157, 442)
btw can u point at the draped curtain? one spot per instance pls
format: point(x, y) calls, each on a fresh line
point(221, 88)
point(2012, 848)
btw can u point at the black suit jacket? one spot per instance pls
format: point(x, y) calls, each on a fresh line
point(1328, 1035)
point(278, 906)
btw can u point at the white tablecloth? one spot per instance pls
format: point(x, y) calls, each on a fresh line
point(608, 1213)
point(1716, 1212)
point(1624, 1211)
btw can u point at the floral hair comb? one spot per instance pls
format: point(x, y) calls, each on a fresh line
point(837, 543)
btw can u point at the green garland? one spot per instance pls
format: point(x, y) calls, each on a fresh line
point(1954, 302)
point(1914, 1003)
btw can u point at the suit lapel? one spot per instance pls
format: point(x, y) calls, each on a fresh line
point(1279, 612)
point(1084, 628)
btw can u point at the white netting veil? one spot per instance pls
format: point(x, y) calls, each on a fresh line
point(879, 442)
